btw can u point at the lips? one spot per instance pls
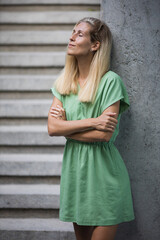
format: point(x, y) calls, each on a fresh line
point(71, 45)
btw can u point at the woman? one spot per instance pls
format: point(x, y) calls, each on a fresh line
point(88, 101)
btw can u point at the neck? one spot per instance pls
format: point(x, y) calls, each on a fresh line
point(84, 63)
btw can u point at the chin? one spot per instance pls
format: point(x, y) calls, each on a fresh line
point(71, 53)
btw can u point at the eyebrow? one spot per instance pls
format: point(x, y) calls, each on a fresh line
point(79, 31)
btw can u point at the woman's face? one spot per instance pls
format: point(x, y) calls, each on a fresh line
point(80, 43)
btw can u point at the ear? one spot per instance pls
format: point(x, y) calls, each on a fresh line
point(95, 46)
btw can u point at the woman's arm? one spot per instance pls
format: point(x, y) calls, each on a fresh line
point(95, 135)
point(89, 136)
point(60, 127)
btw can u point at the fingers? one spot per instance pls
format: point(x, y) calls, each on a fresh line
point(111, 127)
point(110, 121)
point(54, 110)
point(54, 115)
point(107, 129)
point(58, 112)
point(110, 113)
point(110, 130)
point(57, 109)
point(111, 117)
point(60, 107)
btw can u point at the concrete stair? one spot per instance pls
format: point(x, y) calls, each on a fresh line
point(29, 196)
point(30, 37)
point(32, 135)
point(31, 59)
point(33, 40)
point(34, 229)
point(24, 108)
point(44, 17)
point(30, 164)
point(31, 83)
point(49, 2)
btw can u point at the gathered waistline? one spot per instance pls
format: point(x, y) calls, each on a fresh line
point(89, 143)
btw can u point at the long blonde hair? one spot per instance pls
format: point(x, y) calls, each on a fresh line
point(67, 81)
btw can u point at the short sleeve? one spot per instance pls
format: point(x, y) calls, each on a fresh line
point(56, 93)
point(113, 91)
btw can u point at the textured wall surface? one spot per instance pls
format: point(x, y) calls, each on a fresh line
point(135, 27)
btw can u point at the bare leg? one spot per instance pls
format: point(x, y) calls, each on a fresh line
point(83, 232)
point(104, 232)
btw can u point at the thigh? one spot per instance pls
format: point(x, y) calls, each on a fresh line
point(104, 232)
point(83, 232)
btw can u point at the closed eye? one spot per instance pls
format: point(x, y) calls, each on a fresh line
point(80, 34)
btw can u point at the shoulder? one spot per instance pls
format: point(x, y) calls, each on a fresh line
point(111, 78)
point(56, 93)
point(111, 73)
point(113, 89)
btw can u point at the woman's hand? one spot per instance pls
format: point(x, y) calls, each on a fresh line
point(106, 122)
point(58, 112)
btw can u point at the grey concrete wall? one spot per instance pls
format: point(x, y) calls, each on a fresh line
point(135, 27)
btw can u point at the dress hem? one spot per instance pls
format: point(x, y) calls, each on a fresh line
point(104, 223)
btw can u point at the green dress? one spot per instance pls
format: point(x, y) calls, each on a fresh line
point(95, 187)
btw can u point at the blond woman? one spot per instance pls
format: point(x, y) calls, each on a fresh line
point(88, 102)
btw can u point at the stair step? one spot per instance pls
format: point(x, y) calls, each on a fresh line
point(26, 82)
point(30, 164)
point(51, 2)
point(28, 136)
point(32, 59)
point(29, 196)
point(28, 213)
point(37, 108)
point(30, 71)
point(35, 228)
point(57, 17)
point(34, 37)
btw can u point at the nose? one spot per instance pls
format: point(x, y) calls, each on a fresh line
point(72, 38)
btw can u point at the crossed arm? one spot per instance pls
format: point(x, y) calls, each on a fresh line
point(87, 130)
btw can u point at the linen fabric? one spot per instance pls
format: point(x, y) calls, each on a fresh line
point(95, 186)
